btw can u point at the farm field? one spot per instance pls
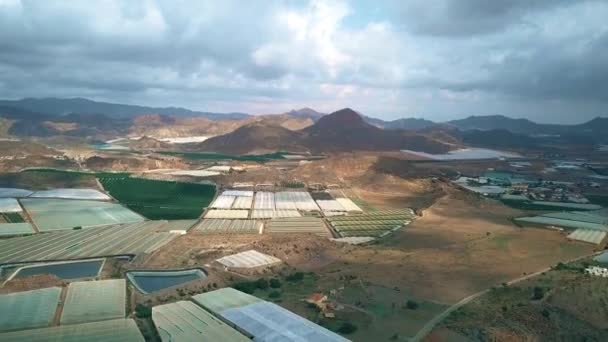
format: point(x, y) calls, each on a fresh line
point(160, 199)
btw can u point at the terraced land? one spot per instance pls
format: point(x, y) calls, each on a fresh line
point(220, 226)
point(374, 224)
point(131, 239)
point(160, 200)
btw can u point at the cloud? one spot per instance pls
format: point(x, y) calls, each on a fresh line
point(439, 59)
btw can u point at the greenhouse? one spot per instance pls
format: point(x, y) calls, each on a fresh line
point(82, 194)
point(248, 259)
point(30, 309)
point(9, 205)
point(263, 320)
point(10, 229)
point(91, 301)
point(123, 330)
point(132, 239)
point(57, 214)
point(186, 321)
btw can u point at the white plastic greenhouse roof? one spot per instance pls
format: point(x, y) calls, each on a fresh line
point(85, 194)
point(248, 259)
point(90, 301)
point(348, 204)
point(222, 202)
point(9, 205)
point(588, 235)
point(29, 309)
point(14, 192)
point(123, 330)
point(330, 205)
point(186, 321)
point(269, 322)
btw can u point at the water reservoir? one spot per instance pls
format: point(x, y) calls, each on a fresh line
point(68, 270)
point(152, 281)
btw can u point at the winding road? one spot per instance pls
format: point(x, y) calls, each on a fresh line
point(430, 325)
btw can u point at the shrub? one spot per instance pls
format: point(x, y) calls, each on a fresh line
point(538, 293)
point(143, 311)
point(545, 313)
point(347, 328)
point(410, 304)
point(274, 294)
point(246, 286)
point(297, 276)
point(275, 283)
point(261, 284)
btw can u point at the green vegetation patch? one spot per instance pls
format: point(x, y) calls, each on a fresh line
point(160, 200)
point(13, 217)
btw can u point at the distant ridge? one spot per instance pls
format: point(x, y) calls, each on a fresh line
point(57, 106)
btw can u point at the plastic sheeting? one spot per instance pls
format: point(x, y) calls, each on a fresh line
point(269, 322)
point(30, 309)
point(89, 301)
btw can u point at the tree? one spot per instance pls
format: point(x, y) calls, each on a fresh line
point(275, 283)
point(297, 276)
point(538, 293)
point(261, 284)
point(274, 294)
point(143, 311)
point(347, 328)
point(410, 304)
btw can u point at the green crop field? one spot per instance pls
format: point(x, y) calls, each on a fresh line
point(221, 156)
point(158, 200)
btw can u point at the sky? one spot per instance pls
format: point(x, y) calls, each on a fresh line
point(546, 60)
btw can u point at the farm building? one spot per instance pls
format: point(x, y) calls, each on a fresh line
point(186, 321)
point(263, 320)
point(249, 259)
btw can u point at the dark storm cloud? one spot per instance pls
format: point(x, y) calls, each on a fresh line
point(470, 17)
point(436, 58)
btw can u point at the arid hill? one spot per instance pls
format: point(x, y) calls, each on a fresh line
point(256, 137)
point(344, 130)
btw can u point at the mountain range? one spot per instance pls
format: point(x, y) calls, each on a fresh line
point(302, 129)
